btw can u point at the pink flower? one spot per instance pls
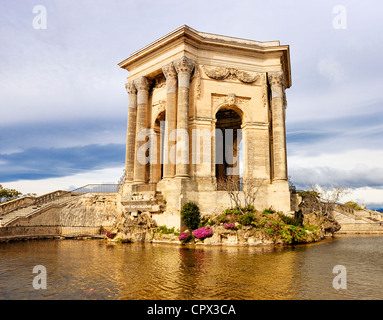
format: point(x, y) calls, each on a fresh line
point(230, 226)
point(202, 233)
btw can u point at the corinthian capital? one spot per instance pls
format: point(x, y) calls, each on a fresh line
point(276, 78)
point(169, 71)
point(142, 83)
point(184, 65)
point(130, 87)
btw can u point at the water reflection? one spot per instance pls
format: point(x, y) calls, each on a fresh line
point(96, 270)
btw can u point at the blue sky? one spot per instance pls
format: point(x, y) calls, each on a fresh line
point(64, 106)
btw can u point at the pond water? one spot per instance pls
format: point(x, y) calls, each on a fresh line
point(94, 269)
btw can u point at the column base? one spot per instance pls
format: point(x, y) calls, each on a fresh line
point(279, 196)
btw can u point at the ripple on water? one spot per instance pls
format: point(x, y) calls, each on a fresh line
point(96, 270)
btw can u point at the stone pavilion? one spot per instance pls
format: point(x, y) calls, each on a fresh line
point(205, 108)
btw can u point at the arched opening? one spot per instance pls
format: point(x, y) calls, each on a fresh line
point(158, 166)
point(228, 148)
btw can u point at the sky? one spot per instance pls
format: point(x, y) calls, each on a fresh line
point(63, 104)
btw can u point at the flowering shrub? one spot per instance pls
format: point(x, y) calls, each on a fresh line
point(184, 237)
point(230, 226)
point(110, 235)
point(202, 233)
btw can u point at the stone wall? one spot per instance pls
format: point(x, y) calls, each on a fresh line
point(87, 214)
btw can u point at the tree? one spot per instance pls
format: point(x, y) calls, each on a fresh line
point(329, 195)
point(7, 194)
point(352, 204)
point(190, 215)
point(242, 196)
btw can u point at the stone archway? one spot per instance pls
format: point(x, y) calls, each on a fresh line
point(157, 167)
point(228, 138)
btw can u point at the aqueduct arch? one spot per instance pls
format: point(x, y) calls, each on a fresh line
point(195, 83)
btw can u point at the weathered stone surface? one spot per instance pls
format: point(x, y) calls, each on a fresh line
point(137, 228)
point(212, 82)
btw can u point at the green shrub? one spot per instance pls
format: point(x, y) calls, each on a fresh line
point(295, 221)
point(246, 219)
point(309, 194)
point(164, 230)
point(292, 234)
point(190, 215)
point(268, 211)
point(353, 205)
point(237, 212)
point(222, 218)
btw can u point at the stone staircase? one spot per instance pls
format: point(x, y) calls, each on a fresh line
point(24, 207)
point(28, 206)
point(358, 221)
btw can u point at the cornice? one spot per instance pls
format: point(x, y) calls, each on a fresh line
point(189, 35)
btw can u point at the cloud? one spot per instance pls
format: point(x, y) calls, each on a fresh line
point(63, 102)
point(315, 136)
point(359, 177)
point(41, 163)
point(62, 133)
point(108, 175)
point(331, 69)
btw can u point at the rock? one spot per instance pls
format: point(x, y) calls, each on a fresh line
point(135, 228)
point(330, 226)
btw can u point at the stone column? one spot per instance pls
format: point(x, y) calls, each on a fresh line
point(142, 86)
point(184, 67)
point(131, 134)
point(169, 153)
point(278, 125)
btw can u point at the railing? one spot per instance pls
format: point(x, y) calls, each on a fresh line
point(15, 204)
point(98, 188)
point(344, 208)
point(48, 197)
point(57, 196)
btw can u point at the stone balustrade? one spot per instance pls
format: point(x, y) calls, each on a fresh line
point(24, 202)
point(50, 196)
point(15, 204)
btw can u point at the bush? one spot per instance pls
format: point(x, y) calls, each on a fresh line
point(165, 230)
point(268, 211)
point(185, 237)
point(230, 226)
point(237, 212)
point(246, 219)
point(309, 194)
point(110, 235)
point(295, 221)
point(202, 233)
point(222, 218)
point(353, 205)
point(292, 234)
point(190, 215)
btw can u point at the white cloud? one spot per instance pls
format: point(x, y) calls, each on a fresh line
point(332, 70)
point(104, 176)
point(365, 195)
point(347, 160)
